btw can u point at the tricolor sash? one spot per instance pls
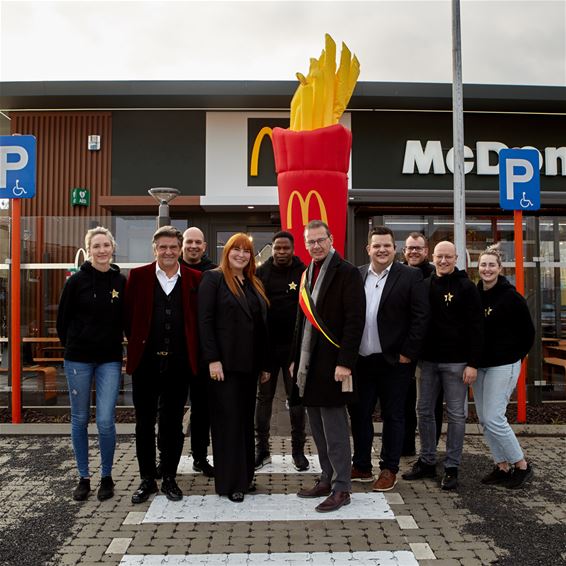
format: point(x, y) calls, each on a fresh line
point(308, 307)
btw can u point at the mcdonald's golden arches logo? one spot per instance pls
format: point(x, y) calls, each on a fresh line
point(304, 203)
point(265, 131)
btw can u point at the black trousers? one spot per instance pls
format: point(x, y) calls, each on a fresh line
point(200, 417)
point(232, 406)
point(160, 383)
point(377, 379)
point(411, 417)
point(265, 395)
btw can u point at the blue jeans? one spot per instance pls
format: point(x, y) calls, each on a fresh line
point(107, 380)
point(492, 391)
point(448, 376)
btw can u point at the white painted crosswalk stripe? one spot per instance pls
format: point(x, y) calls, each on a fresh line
point(263, 507)
point(280, 464)
point(366, 558)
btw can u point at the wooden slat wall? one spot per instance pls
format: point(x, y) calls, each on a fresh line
point(64, 162)
point(52, 228)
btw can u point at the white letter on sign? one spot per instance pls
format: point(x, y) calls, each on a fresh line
point(5, 165)
point(510, 165)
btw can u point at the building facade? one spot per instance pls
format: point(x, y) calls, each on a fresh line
point(211, 140)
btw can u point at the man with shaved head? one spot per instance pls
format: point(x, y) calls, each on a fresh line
point(453, 345)
point(194, 250)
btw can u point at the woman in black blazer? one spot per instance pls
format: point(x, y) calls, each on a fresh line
point(233, 331)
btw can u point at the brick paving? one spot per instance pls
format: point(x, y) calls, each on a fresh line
point(40, 524)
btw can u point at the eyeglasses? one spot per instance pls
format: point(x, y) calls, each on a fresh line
point(413, 248)
point(313, 243)
point(242, 251)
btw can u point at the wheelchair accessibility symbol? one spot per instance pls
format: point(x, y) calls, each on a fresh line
point(19, 191)
point(525, 202)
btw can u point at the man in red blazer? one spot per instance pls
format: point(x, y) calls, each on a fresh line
point(161, 327)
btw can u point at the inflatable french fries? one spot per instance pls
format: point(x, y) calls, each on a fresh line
point(312, 156)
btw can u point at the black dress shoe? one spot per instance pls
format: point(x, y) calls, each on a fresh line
point(146, 488)
point(171, 490)
point(204, 467)
point(236, 497)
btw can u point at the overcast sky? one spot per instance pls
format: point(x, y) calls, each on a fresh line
point(503, 41)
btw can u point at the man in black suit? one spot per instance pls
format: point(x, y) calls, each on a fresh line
point(396, 320)
point(325, 353)
point(194, 256)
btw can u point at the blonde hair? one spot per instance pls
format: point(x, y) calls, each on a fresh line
point(240, 240)
point(99, 230)
point(494, 251)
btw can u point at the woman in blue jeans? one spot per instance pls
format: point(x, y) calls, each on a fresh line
point(90, 327)
point(509, 335)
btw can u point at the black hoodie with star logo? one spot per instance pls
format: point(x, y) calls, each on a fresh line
point(455, 333)
point(90, 316)
point(509, 329)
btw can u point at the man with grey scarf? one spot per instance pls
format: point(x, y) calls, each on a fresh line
point(323, 358)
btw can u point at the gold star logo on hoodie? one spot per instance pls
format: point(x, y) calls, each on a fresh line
point(448, 298)
point(115, 294)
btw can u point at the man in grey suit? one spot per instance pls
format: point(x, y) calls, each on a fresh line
point(396, 321)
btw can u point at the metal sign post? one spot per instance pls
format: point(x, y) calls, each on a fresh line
point(458, 139)
point(519, 189)
point(17, 181)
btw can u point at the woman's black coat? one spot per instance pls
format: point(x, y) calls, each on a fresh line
point(226, 326)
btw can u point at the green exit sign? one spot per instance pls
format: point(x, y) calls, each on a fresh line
point(80, 197)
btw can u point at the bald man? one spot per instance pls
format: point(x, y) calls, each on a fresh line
point(194, 250)
point(452, 348)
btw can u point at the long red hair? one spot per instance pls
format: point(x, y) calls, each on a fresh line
point(240, 240)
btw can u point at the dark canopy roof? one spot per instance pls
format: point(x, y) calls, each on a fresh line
point(268, 95)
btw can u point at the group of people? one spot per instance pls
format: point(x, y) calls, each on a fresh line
point(412, 334)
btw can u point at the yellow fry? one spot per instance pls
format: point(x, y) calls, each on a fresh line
point(329, 70)
point(354, 74)
point(302, 79)
point(306, 108)
point(295, 121)
point(341, 83)
point(317, 81)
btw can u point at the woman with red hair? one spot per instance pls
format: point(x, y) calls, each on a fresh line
point(233, 332)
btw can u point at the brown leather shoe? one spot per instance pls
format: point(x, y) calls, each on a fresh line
point(320, 489)
point(332, 503)
point(386, 481)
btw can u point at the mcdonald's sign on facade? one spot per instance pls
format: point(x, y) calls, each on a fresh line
point(261, 164)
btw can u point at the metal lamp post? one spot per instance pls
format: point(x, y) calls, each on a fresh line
point(163, 195)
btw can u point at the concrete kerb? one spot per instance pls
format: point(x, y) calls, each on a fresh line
point(129, 428)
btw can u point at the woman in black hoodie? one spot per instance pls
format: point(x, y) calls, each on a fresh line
point(90, 327)
point(509, 335)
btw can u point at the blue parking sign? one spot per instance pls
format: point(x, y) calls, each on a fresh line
point(519, 179)
point(17, 166)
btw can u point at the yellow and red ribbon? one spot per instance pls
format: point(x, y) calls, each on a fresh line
point(309, 310)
